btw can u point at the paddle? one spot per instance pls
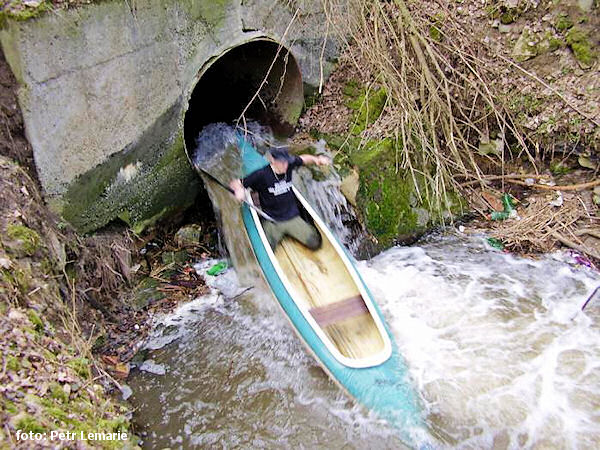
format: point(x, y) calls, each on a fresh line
point(259, 211)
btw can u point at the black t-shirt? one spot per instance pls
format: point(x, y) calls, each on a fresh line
point(275, 190)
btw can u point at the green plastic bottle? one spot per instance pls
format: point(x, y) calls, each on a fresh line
point(509, 209)
point(217, 269)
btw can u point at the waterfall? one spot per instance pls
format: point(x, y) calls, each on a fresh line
point(217, 152)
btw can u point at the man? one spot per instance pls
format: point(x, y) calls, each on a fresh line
point(274, 186)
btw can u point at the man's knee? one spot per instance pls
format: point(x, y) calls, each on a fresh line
point(314, 240)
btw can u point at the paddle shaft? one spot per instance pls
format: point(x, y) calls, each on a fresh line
point(224, 186)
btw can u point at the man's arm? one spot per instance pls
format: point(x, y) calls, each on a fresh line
point(320, 160)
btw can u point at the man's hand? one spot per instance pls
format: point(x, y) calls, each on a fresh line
point(323, 160)
point(238, 190)
point(320, 160)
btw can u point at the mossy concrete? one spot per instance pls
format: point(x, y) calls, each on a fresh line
point(138, 185)
point(104, 88)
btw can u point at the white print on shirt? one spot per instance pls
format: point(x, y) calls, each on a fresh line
point(281, 187)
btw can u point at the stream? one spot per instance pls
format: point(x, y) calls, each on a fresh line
point(498, 349)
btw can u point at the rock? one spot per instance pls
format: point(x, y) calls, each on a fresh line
point(423, 217)
point(126, 391)
point(349, 186)
point(549, 44)
point(188, 236)
point(121, 371)
point(494, 202)
point(151, 367)
point(502, 28)
point(592, 242)
point(525, 47)
point(585, 5)
point(585, 161)
point(57, 249)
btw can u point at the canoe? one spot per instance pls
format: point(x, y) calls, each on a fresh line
point(333, 312)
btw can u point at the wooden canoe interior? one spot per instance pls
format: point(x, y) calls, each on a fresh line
point(323, 283)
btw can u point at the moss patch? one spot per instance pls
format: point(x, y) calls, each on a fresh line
point(35, 319)
point(563, 23)
point(384, 196)
point(19, 279)
point(27, 424)
point(579, 42)
point(81, 366)
point(146, 293)
point(20, 11)
point(28, 240)
point(387, 199)
point(367, 104)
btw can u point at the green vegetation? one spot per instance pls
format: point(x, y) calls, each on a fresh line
point(35, 319)
point(18, 279)
point(394, 203)
point(81, 366)
point(28, 424)
point(58, 393)
point(29, 239)
point(20, 10)
point(387, 196)
point(524, 105)
point(508, 17)
point(366, 103)
point(12, 363)
point(563, 23)
point(146, 293)
point(579, 42)
point(559, 168)
point(384, 195)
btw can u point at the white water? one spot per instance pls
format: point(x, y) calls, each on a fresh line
point(496, 346)
point(498, 350)
point(496, 343)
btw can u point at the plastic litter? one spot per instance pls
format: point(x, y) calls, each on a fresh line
point(509, 209)
point(217, 269)
point(496, 243)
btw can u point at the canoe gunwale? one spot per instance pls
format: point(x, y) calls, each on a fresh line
point(370, 361)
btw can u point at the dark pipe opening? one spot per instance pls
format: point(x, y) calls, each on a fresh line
point(230, 83)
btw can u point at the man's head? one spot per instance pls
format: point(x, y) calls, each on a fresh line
point(279, 158)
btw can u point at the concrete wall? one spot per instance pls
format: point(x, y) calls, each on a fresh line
point(104, 89)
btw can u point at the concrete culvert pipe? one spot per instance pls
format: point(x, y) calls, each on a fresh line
point(259, 79)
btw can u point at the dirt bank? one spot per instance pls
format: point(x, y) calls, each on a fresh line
point(74, 309)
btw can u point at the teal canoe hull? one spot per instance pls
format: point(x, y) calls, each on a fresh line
point(386, 388)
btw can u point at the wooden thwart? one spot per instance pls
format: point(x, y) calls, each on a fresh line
point(323, 285)
point(338, 311)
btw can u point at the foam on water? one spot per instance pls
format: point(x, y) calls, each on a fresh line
point(237, 375)
point(497, 347)
point(495, 342)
